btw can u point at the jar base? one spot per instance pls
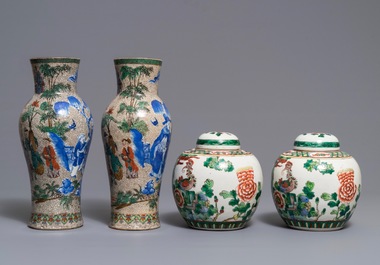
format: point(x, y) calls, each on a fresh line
point(314, 225)
point(216, 226)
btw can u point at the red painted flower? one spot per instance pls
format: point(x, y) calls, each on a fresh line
point(247, 187)
point(179, 198)
point(36, 103)
point(278, 200)
point(110, 110)
point(347, 189)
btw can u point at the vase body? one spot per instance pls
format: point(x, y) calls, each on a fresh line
point(217, 186)
point(136, 129)
point(316, 186)
point(56, 130)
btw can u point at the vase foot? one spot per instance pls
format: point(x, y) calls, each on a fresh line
point(63, 221)
point(136, 222)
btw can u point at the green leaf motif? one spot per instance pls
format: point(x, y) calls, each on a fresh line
point(333, 203)
point(326, 168)
point(141, 126)
point(219, 164)
point(310, 165)
point(342, 207)
point(310, 185)
point(308, 192)
point(124, 126)
point(122, 107)
point(344, 211)
point(334, 212)
point(207, 188)
point(212, 210)
point(334, 196)
point(312, 212)
point(45, 106)
point(242, 207)
point(233, 202)
point(322, 167)
point(59, 128)
point(326, 197)
point(225, 194)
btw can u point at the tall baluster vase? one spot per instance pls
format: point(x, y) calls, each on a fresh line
point(136, 129)
point(55, 130)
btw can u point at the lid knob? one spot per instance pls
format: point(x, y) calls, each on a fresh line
point(218, 140)
point(316, 142)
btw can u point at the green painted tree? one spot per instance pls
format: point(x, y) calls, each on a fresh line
point(135, 91)
point(51, 74)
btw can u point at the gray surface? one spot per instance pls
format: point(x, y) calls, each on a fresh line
point(264, 70)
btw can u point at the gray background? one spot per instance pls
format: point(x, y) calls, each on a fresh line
point(264, 70)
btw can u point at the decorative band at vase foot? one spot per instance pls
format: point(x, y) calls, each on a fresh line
point(61, 221)
point(204, 225)
point(134, 221)
point(315, 225)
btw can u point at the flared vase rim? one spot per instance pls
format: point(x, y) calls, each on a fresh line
point(137, 60)
point(55, 59)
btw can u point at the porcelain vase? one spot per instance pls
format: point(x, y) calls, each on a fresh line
point(217, 186)
point(316, 186)
point(136, 129)
point(56, 130)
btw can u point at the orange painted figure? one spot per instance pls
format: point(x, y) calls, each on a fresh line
point(50, 157)
point(129, 158)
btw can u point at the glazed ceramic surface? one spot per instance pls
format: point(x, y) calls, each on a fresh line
point(217, 185)
point(136, 129)
point(56, 130)
point(316, 186)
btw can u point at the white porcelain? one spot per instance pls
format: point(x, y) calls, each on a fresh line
point(316, 186)
point(217, 185)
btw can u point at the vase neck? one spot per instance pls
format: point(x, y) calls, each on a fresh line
point(56, 75)
point(137, 76)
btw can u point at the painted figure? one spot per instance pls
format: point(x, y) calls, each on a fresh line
point(128, 156)
point(31, 145)
point(115, 166)
point(79, 155)
point(50, 157)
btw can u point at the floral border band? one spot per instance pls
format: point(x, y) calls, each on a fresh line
point(57, 219)
point(135, 218)
point(193, 152)
point(329, 154)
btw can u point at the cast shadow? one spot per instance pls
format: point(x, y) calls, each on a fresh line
point(272, 219)
point(15, 209)
point(97, 209)
point(173, 219)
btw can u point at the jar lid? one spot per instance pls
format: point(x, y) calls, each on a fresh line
point(218, 140)
point(317, 142)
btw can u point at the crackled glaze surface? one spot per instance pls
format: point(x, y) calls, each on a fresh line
point(136, 130)
point(217, 186)
point(316, 186)
point(56, 130)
